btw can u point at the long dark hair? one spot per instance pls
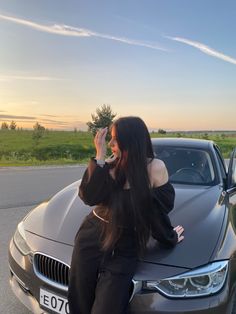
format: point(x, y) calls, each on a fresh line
point(135, 145)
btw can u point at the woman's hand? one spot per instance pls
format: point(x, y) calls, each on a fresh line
point(100, 143)
point(179, 230)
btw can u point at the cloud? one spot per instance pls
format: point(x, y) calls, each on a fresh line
point(14, 117)
point(66, 30)
point(204, 48)
point(63, 125)
point(59, 124)
point(131, 42)
point(53, 29)
point(56, 116)
point(56, 122)
point(7, 78)
point(49, 115)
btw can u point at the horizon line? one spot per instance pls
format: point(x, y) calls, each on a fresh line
point(150, 130)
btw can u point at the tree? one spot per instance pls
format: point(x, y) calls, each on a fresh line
point(4, 126)
point(38, 132)
point(12, 125)
point(103, 118)
point(161, 131)
point(205, 136)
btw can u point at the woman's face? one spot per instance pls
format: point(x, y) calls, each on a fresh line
point(114, 145)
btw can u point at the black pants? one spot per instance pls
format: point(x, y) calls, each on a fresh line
point(100, 282)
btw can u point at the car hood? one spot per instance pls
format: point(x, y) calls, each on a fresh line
point(196, 208)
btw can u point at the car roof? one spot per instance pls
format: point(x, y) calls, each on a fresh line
point(189, 142)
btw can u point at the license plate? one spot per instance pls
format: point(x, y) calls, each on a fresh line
point(54, 302)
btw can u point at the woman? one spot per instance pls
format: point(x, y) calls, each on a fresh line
point(132, 197)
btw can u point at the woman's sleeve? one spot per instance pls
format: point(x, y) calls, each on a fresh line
point(95, 186)
point(162, 203)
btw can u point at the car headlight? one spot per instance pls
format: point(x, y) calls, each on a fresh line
point(20, 239)
point(202, 281)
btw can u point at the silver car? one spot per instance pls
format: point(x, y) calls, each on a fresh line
point(197, 276)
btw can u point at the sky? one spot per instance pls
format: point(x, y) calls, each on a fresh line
point(170, 62)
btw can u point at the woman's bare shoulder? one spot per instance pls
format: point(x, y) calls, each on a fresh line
point(157, 163)
point(158, 174)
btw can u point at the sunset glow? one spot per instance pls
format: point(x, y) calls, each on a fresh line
point(175, 68)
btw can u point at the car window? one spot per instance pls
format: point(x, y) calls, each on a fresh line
point(220, 162)
point(187, 165)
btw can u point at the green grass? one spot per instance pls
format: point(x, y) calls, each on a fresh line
point(18, 140)
point(18, 148)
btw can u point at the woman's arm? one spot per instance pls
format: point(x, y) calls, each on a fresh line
point(96, 184)
point(163, 195)
point(162, 203)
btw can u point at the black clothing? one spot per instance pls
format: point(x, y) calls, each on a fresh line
point(100, 281)
point(98, 187)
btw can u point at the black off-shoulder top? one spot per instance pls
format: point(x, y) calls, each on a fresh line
point(97, 186)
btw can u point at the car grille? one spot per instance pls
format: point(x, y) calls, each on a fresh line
point(48, 268)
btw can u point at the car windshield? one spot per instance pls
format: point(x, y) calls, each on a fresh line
point(187, 165)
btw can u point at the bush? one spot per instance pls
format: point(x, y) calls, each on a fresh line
point(63, 151)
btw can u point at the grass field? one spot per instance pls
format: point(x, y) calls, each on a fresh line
point(18, 148)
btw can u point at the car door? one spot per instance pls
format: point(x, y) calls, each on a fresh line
point(232, 171)
point(231, 187)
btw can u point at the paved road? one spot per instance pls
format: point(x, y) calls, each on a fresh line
point(20, 190)
point(26, 186)
point(9, 304)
